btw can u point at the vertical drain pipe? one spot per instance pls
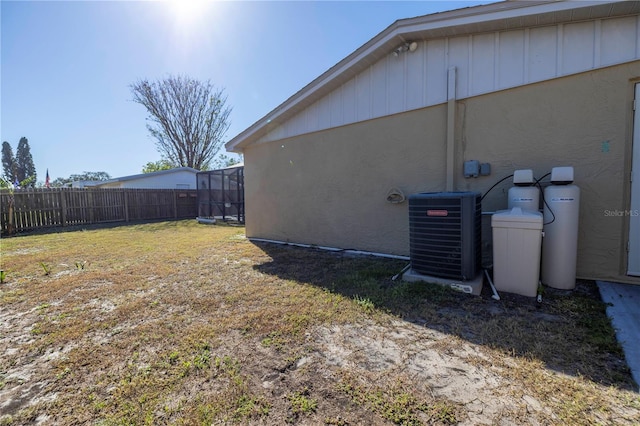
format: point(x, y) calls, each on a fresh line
point(451, 116)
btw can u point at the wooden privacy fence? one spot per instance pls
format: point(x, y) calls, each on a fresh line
point(31, 209)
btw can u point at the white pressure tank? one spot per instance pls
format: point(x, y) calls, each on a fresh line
point(560, 241)
point(524, 193)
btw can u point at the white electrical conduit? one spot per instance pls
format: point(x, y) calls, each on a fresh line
point(396, 276)
point(451, 126)
point(495, 296)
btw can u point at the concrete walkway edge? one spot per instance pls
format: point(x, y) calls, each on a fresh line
point(623, 308)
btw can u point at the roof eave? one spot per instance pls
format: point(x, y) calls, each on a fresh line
point(503, 15)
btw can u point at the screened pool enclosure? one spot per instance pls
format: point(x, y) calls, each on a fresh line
point(221, 194)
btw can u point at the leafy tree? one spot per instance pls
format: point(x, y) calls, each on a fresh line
point(60, 182)
point(188, 118)
point(25, 169)
point(224, 160)
point(8, 162)
point(156, 166)
point(101, 176)
point(97, 176)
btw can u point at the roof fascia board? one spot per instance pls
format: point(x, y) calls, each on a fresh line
point(510, 9)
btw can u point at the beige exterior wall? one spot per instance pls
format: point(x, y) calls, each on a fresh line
point(582, 121)
point(329, 188)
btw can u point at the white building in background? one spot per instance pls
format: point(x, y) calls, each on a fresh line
point(178, 178)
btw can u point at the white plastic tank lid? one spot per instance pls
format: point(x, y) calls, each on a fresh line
point(523, 177)
point(562, 175)
point(516, 217)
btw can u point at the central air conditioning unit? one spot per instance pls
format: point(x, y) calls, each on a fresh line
point(445, 234)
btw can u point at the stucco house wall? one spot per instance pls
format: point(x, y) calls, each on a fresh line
point(318, 169)
point(329, 188)
point(582, 121)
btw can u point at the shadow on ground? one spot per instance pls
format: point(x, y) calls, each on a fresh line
point(568, 331)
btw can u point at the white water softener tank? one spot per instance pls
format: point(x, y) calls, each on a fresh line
point(524, 193)
point(560, 242)
point(517, 235)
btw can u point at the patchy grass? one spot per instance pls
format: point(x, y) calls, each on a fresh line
point(182, 323)
point(399, 404)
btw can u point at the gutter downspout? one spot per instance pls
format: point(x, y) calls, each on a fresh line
point(451, 117)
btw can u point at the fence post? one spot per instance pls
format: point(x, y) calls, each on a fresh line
point(175, 203)
point(63, 207)
point(90, 205)
point(126, 205)
point(11, 219)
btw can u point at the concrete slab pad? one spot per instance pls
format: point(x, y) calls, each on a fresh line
point(624, 311)
point(470, 286)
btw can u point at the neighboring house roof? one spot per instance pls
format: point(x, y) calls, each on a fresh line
point(501, 16)
point(233, 166)
point(149, 175)
point(158, 173)
point(84, 183)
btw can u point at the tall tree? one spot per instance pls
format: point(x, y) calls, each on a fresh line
point(188, 118)
point(8, 162)
point(24, 163)
point(156, 166)
point(224, 160)
point(97, 176)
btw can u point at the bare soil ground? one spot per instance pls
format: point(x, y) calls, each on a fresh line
point(180, 323)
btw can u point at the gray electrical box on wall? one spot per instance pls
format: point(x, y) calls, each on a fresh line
point(471, 168)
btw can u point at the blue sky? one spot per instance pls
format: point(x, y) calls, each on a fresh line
point(66, 66)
